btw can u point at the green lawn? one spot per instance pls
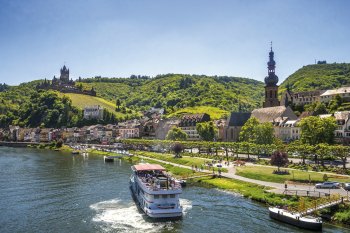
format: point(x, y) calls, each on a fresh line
point(265, 174)
point(215, 113)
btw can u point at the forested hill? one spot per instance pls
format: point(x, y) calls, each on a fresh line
point(23, 105)
point(318, 77)
point(177, 91)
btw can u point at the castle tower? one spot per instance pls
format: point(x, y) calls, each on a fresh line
point(271, 88)
point(64, 74)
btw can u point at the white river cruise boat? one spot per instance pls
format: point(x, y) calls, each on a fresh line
point(156, 193)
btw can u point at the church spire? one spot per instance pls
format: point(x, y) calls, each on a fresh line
point(271, 79)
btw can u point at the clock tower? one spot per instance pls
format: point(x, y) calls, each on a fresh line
point(271, 88)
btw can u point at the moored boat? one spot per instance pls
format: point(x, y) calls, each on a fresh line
point(305, 222)
point(155, 191)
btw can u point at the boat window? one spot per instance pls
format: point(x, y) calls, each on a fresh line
point(164, 196)
point(172, 195)
point(156, 196)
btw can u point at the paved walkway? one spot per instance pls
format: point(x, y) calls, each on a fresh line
point(276, 187)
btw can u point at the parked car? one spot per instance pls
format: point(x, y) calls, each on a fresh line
point(328, 185)
point(347, 186)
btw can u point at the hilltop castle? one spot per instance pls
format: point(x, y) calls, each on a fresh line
point(64, 84)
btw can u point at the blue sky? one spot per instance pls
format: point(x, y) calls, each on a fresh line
point(118, 38)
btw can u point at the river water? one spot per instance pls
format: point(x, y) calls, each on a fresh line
point(48, 191)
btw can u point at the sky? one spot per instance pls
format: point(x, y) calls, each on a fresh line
point(115, 38)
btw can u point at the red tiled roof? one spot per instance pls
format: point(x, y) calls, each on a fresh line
point(148, 167)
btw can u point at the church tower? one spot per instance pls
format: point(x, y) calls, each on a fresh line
point(271, 88)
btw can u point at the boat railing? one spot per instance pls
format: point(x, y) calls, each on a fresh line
point(151, 184)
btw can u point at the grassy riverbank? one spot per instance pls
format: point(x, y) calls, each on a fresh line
point(187, 161)
point(266, 174)
point(339, 214)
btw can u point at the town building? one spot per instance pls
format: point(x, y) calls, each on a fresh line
point(286, 130)
point(189, 122)
point(164, 126)
point(301, 98)
point(277, 116)
point(129, 129)
point(271, 88)
point(234, 125)
point(343, 92)
point(221, 127)
point(342, 132)
point(93, 112)
point(271, 114)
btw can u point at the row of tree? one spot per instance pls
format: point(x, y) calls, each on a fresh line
point(318, 152)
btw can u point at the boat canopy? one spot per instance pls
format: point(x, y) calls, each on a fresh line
point(148, 167)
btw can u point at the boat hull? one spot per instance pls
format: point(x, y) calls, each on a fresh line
point(155, 213)
point(317, 226)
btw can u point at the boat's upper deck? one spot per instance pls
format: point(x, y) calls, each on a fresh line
point(154, 178)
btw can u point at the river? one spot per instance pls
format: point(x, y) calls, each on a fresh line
point(49, 191)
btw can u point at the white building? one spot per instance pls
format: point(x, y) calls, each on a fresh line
point(289, 131)
point(343, 92)
point(93, 112)
point(342, 132)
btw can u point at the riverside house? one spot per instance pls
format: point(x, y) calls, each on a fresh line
point(189, 122)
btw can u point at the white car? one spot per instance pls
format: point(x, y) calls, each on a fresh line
point(328, 185)
point(347, 186)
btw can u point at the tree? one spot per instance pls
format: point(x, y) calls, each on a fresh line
point(279, 159)
point(59, 143)
point(248, 131)
point(264, 133)
point(177, 148)
point(322, 150)
point(300, 148)
point(315, 130)
point(258, 133)
point(176, 134)
point(341, 152)
point(118, 103)
point(206, 130)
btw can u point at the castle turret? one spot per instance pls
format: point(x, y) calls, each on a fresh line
point(64, 74)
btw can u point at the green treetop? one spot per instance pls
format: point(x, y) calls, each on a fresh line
point(315, 130)
point(206, 130)
point(176, 134)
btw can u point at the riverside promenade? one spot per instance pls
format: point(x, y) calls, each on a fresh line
point(278, 188)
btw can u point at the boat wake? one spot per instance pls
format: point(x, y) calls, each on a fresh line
point(125, 217)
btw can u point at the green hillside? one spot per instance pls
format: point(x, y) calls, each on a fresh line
point(80, 101)
point(177, 91)
point(318, 77)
